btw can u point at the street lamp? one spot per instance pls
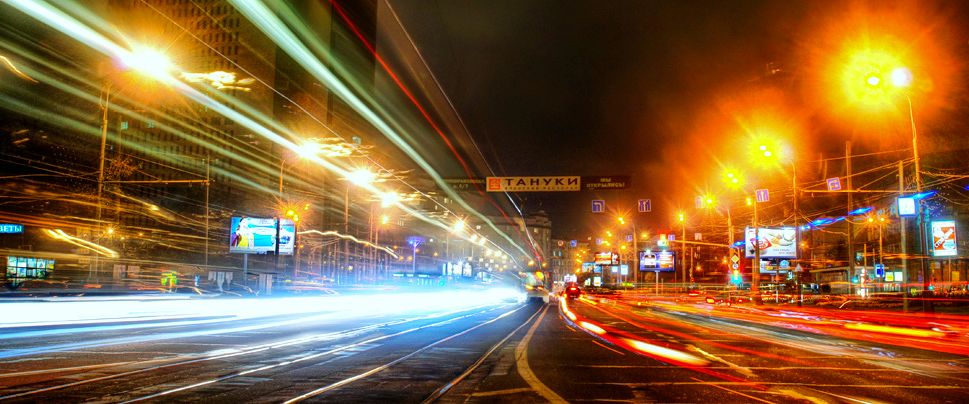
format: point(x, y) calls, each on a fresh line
point(681, 217)
point(899, 78)
point(147, 62)
point(635, 260)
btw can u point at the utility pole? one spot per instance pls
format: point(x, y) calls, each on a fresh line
point(851, 227)
point(903, 242)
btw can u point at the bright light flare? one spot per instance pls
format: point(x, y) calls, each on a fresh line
point(149, 62)
point(901, 77)
point(459, 226)
point(389, 198)
point(361, 176)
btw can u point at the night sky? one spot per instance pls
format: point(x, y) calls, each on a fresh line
point(650, 88)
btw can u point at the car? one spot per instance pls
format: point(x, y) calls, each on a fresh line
point(536, 293)
point(572, 291)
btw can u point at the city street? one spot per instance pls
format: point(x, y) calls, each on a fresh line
point(415, 201)
point(628, 349)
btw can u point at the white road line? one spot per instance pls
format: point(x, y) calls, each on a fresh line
point(521, 353)
point(380, 368)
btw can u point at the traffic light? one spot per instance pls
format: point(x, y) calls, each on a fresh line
point(735, 276)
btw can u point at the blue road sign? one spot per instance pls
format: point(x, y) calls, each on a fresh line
point(629, 238)
point(573, 243)
point(598, 241)
point(598, 206)
point(645, 205)
point(834, 184)
point(762, 195)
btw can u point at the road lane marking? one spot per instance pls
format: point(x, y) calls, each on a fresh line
point(739, 369)
point(444, 389)
point(227, 353)
point(502, 392)
point(604, 346)
point(733, 391)
point(380, 368)
point(521, 354)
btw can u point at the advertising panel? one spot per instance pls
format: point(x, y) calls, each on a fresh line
point(944, 238)
point(773, 242)
point(607, 258)
point(656, 261)
point(257, 235)
point(533, 184)
point(287, 236)
point(588, 267)
point(28, 267)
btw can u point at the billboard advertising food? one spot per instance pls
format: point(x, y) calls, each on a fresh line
point(773, 242)
point(944, 238)
point(257, 235)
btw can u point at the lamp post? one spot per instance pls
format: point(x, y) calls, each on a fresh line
point(901, 78)
point(149, 63)
point(634, 267)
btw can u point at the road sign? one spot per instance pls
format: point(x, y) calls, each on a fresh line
point(598, 206)
point(698, 201)
point(573, 243)
point(735, 265)
point(762, 195)
point(698, 236)
point(735, 258)
point(645, 205)
point(834, 184)
point(598, 241)
point(629, 238)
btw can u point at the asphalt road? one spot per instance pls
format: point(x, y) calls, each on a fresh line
point(613, 350)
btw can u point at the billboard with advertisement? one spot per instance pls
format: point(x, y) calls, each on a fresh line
point(773, 242)
point(607, 258)
point(662, 261)
point(28, 267)
point(944, 238)
point(588, 267)
point(257, 235)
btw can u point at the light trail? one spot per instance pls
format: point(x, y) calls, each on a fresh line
point(303, 358)
point(387, 250)
point(249, 350)
point(264, 19)
point(45, 13)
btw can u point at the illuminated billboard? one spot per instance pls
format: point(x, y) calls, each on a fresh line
point(28, 268)
point(944, 238)
point(773, 242)
point(607, 258)
point(257, 235)
point(662, 261)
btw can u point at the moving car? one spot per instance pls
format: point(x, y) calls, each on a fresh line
point(572, 290)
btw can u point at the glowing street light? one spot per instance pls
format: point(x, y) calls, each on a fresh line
point(148, 62)
point(361, 176)
point(459, 226)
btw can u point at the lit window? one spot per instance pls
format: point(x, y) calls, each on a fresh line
point(124, 125)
